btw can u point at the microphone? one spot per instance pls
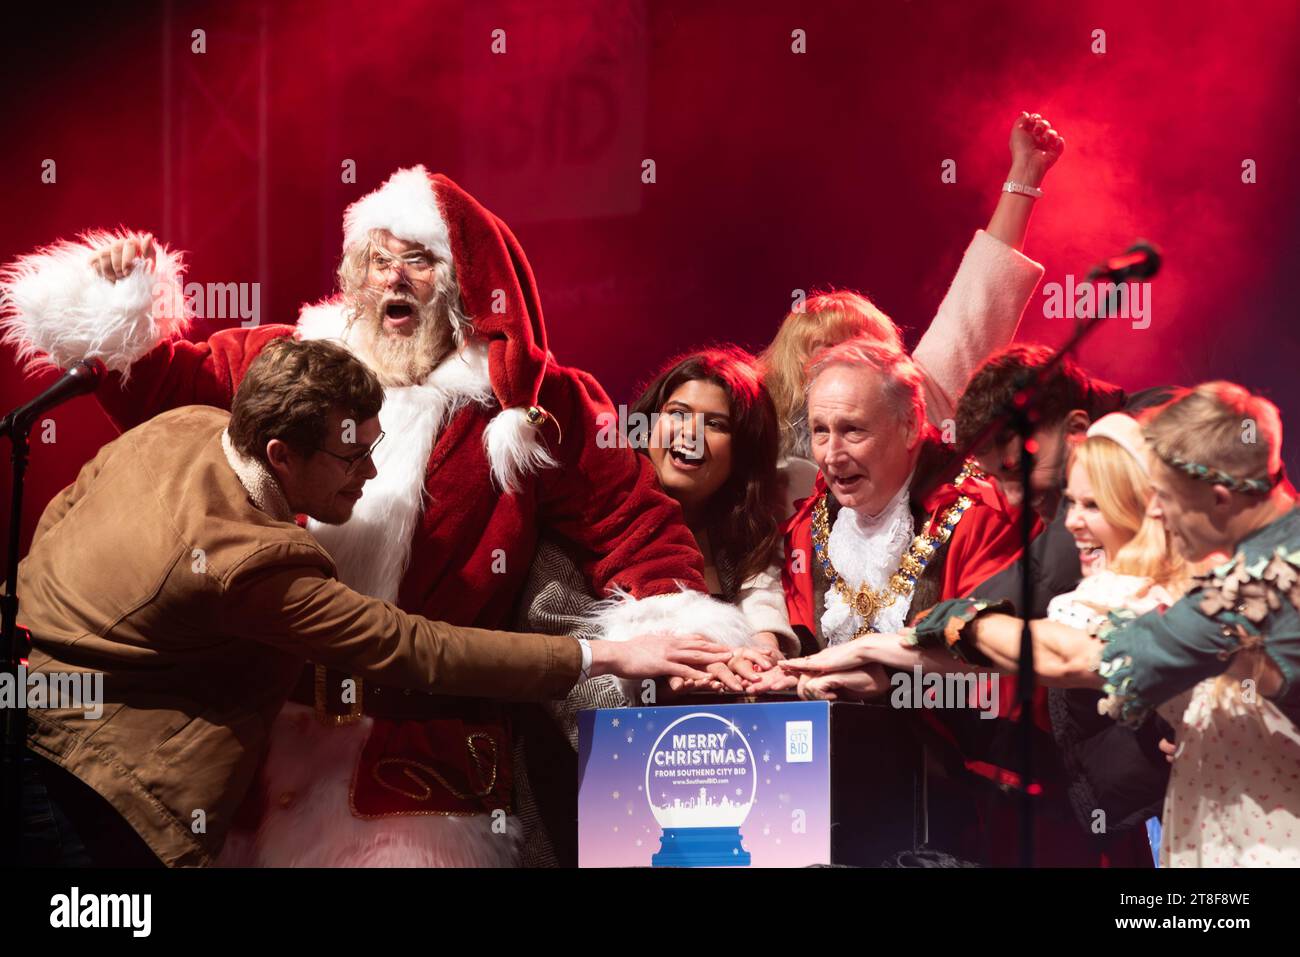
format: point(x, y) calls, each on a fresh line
point(1139, 261)
point(82, 378)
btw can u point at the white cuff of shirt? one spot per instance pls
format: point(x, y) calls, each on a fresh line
point(585, 645)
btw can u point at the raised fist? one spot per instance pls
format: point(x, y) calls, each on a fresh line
point(1035, 147)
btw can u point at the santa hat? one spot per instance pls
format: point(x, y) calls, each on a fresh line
point(497, 290)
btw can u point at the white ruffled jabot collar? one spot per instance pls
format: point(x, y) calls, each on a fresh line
point(867, 550)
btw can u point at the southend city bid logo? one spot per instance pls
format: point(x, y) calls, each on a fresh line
point(700, 781)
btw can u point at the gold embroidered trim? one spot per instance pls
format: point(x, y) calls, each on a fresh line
point(867, 602)
point(485, 767)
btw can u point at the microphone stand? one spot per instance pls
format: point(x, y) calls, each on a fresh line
point(12, 652)
point(1019, 415)
point(83, 377)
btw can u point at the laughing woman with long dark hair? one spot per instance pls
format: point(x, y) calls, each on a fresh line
point(713, 439)
point(714, 445)
point(714, 442)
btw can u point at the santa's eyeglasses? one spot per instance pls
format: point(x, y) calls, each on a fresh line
point(416, 261)
point(356, 460)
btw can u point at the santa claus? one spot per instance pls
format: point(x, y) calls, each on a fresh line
point(488, 442)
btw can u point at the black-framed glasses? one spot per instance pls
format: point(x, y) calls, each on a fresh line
point(355, 461)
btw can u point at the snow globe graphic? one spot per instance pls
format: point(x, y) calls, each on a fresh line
point(700, 783)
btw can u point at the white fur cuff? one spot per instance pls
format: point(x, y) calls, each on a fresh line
point(681, 613)
point(55, 305)
point(623, 617)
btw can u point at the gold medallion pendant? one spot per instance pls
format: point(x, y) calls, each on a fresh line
point(867, 602)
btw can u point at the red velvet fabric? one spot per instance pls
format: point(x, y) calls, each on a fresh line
point(604, 502)
point(499, 291)
point(451, 766)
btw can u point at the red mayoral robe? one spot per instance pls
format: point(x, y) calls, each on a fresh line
point(983, 543)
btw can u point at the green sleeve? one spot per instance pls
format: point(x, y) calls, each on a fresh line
point(944, 626)
point(1151, 658)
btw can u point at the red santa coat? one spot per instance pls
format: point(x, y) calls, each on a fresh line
point(447, 529)
point(604, 501)
point(471, 547)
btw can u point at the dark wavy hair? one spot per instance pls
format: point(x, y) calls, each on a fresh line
point(291, 388)
point(1003, 374)
point(745, 527)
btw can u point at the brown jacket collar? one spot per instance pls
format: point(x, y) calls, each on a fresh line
point(263, 489)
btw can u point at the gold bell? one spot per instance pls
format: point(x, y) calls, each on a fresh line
point(537, 417)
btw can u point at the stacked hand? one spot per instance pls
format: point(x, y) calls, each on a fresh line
point(746, 665)
point(649, 656)
point(868, 682)
point(852, 670)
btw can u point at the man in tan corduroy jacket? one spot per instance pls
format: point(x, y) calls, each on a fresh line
point(174, 567)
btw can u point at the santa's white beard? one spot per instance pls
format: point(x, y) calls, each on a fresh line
point(402, 360)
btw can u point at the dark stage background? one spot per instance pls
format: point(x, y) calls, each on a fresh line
point(775, 171)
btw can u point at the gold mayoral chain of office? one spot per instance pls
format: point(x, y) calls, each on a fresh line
point(867, 602)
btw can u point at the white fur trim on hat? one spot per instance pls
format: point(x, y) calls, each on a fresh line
point(326, 319)
point(405, 206)
point(514, 448)
point(56, 305)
